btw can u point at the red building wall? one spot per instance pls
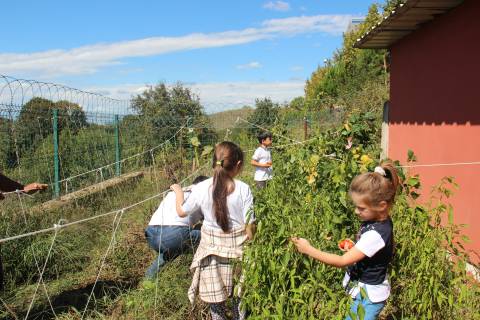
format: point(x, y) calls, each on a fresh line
point(435, 107)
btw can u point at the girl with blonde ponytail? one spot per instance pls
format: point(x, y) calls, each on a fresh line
point(226, 204)
point(366, 279)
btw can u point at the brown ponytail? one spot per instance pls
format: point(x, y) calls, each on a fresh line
point(377, 187)
point(225, 159)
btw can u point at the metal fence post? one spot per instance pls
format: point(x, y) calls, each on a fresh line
point(56, 162)
point(118, 169)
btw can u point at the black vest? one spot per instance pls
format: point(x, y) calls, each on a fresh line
point(373, 270)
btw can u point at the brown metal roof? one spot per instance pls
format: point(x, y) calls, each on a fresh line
point(406, 18)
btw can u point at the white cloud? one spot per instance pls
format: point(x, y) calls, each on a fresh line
point(277, 5)
point(331, 24)
point(296, 68)
point(219, 96)
point(250, 65)
point(296, 79)
point(122, 92)
point(223, 96)
point(90, 58)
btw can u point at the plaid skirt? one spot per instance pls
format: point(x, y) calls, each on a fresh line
point(216, 279)
point(215, 265)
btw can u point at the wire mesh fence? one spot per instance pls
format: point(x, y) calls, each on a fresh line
point(76, 141)
point(70, 138)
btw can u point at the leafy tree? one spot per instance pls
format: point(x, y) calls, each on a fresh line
point(7, 156)
point(298, 103)
point(71, 115)
point(265, 114)
point(79, 151)
point(313, 84)
point(390, 5)
point(349, 70)
point(176, 103)
point(162, 111)
point(35, 121)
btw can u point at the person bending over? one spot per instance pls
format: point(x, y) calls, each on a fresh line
point(168, 234)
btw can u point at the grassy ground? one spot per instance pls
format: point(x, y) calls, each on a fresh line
point(81, 248)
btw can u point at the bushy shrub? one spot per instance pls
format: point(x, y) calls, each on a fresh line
point(308, 198)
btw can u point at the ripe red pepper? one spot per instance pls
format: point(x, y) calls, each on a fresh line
point(346, 244)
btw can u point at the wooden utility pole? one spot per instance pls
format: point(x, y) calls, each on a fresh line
point(305, 128)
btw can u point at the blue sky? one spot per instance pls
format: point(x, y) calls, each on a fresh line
point(228, 52)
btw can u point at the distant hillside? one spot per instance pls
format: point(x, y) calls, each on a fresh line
point(226, 119)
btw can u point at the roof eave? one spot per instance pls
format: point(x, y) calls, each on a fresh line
point(403, 20)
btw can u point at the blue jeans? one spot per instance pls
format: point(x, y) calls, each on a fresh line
point(169, 242)
point(372, 309)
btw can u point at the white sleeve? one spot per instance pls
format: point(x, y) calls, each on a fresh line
point(191, 204)
point(370, 243)
point(256, 155)
point(248, 214)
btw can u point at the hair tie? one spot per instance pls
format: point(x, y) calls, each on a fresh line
point(219, 163)
point(380, 171)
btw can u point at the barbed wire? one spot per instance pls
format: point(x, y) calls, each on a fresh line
point(16, 92)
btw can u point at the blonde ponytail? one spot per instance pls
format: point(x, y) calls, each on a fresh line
point(381, 185)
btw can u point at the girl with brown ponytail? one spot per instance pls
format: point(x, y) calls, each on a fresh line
point(226, 204)
point(373, 194)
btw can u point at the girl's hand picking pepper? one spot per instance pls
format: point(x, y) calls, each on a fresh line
point(346, 245)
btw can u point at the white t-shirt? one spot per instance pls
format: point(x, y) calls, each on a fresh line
point(166, 214)
point(262, 155)
point(370, 243)
point(239, 204)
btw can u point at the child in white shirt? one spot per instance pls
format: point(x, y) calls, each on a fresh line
point(373, 194)
point(168, 234)
point(226, 204)
point(262, 160)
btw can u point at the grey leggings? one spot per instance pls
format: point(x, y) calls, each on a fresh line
point(217, 310)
